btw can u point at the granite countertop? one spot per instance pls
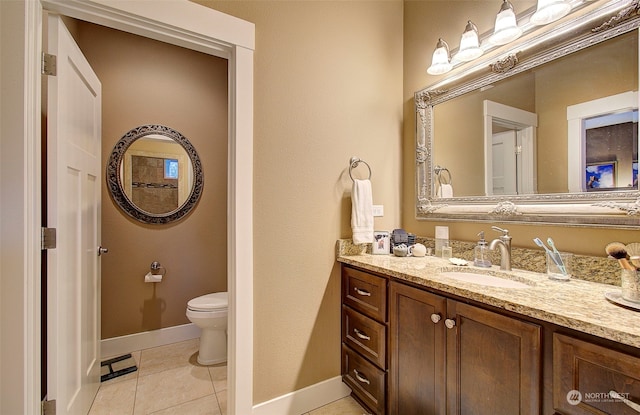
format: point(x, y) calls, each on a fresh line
point(576, 304)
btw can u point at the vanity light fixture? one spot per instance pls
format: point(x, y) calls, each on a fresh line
point(469, 44)
point(549, 11)
point(441, 61)
point(506, 28)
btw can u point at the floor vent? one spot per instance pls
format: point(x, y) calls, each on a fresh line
point(117, 366)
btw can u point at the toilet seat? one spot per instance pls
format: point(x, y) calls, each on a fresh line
point(209, 302)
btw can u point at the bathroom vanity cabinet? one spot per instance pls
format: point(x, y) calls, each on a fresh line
point(412, 350)
point(448, 354)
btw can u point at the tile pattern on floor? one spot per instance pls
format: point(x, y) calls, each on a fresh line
point(345, 406)
point(169, 380)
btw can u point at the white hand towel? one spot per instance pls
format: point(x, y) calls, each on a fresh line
point(362, 212)
point(446, 190)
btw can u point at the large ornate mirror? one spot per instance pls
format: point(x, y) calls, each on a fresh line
point(154, 174)
point(543, 131)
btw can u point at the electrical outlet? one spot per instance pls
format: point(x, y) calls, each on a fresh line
point(378, 210)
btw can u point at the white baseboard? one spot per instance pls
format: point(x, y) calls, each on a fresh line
point(304, 400)
point(116, 346)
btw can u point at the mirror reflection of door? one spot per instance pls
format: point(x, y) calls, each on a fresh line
point(510, 152)
point(504, 167)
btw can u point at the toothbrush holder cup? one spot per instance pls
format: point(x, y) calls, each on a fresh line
point(630, 285)
point(559, 265)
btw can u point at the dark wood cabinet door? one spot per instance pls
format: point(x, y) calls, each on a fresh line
point(493, 363)
point(417, 352)
point(584, 374)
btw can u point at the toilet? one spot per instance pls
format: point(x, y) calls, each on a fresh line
point(209, 312)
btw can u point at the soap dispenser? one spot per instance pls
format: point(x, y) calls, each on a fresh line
point(481, 253)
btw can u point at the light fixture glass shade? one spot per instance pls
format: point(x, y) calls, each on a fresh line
point(549, 11)
point(469, 44)
point(506, 28)
point(440, 63)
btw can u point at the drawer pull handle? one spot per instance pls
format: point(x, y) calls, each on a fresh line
point(632, 405)
point(361, 334)
point(450, 323)
point(361, 378)
point(364, 293)
point(435, 317)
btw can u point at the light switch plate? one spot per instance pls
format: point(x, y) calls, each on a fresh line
point(378, 210)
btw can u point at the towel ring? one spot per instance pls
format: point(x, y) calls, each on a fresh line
point(354, 162)
point(439, 171)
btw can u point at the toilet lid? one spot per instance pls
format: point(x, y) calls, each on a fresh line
point(209, 302)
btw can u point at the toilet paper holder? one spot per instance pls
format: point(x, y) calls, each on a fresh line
point(156, 272)
point(157, 269)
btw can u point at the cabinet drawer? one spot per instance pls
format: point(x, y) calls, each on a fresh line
point(593, 371)
point(365, 380)
point(365, 335)
point(365, 292)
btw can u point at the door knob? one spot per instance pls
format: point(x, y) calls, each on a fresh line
point(450, 323)
point(102, 250)
point(435, 317)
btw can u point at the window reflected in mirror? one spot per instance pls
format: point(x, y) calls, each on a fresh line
point(611, 151)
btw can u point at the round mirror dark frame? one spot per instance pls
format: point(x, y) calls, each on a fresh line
point(114, 181)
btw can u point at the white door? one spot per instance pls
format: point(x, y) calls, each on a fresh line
point(73, 208)
point(504, 163)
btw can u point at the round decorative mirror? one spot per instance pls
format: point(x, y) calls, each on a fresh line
point(154, 174)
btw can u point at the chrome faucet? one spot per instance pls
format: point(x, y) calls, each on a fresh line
point(504, 244)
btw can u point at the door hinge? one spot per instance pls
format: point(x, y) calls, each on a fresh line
point(49, 64)
point(49, 407)
point(48, 238)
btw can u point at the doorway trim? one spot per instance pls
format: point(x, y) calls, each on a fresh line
point(576, 134)
point(526, 125)
point(184, 24)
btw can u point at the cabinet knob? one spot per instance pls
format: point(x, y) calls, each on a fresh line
point(450, 323)
point(435, 317)
point(361, 378)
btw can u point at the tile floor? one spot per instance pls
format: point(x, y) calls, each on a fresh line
point(169, 380)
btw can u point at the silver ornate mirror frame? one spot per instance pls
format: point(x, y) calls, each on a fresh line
point(116, 188)
point(619, 209)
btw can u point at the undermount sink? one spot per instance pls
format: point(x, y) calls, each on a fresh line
point(484, 279)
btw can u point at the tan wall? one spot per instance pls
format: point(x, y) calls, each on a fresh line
point(149, 82)
point(424, 22)
point(328, 82)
